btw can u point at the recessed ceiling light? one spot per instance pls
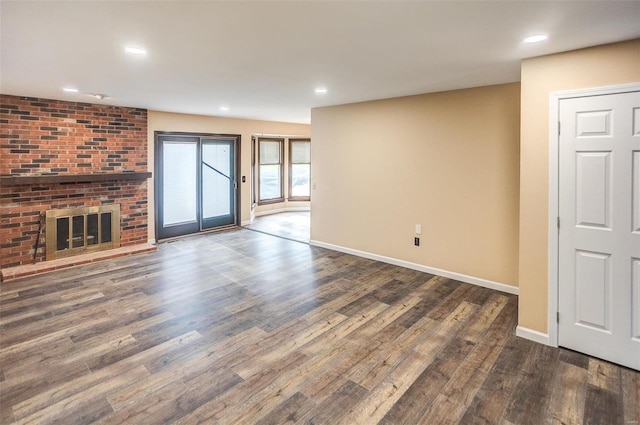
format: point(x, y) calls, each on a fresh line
point(70, 90)
point(135, 50)
point(321, 90)
point(224, 108)
point(535, 38)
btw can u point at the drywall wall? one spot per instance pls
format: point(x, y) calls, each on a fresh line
point(447, 161)
point(593, 67)
point(166, 121)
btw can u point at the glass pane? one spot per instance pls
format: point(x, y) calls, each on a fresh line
point(217, 155)
point(78, 231)
point(92, 229)
point(179, 182)
point(269, 152)
point(216, 194)
point(300, 176)
point(105, 227)
point(62, 233)
point(270, 182)
point(300, 152)
point(216, 179)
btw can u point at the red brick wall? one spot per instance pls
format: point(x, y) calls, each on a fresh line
point(46, 137)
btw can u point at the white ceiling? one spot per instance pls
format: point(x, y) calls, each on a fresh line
point(264, 59)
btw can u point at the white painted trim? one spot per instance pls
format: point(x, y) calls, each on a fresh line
point(152, 241)
point(307, 208)
point(419, 267)
point(532, 335)
point(281, 210)
point(246, 223)
point(554, 181)
point(552, 231)
point(596, 91)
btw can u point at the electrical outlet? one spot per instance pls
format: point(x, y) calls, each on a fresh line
point(416, 241)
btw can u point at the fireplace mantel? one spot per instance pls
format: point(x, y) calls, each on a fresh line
point(73, 178)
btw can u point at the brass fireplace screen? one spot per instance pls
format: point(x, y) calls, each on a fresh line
point(73, 231)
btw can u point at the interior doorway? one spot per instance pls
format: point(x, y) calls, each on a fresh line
point(595, 253)
point(196, 185)
point(281, 186)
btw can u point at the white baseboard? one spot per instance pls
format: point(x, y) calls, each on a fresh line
point(281, 210)
point(532, 335)
point(414, 266)
point(246, 223)
point(298, 209)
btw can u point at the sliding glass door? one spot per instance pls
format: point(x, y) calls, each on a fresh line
point(218, 183)
point(195, 183)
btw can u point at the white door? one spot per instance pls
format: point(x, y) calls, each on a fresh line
point(599, 239)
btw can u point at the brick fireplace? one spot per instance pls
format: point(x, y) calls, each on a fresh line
point(59, 155)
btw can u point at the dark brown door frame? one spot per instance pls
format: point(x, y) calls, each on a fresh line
point(158, 172)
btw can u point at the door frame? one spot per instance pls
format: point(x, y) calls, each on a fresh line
point(554, 190)
point(157, 189)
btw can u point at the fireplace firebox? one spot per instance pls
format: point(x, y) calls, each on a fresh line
point(73, 231)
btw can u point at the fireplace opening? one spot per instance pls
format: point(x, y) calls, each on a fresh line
point(73, 231)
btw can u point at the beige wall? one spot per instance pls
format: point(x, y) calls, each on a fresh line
point(165, 121)
point(447, 161)
point(598, 66)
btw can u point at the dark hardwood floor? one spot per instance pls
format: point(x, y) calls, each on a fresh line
point(244, 328)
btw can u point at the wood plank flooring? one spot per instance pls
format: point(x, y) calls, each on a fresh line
point(244, 328)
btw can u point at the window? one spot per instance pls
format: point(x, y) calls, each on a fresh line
point(270, 154)
point(280, 169)
point(299, 169)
